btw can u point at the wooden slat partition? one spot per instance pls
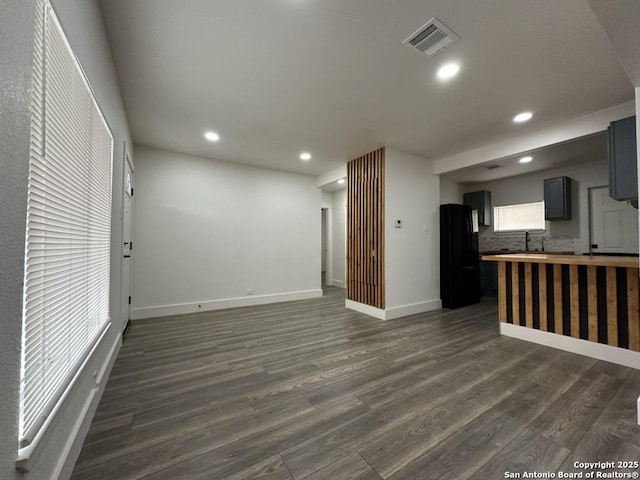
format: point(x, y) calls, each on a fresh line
point(365, 229)
point(599, 303)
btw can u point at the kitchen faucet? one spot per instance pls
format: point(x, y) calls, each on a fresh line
point(527, 237)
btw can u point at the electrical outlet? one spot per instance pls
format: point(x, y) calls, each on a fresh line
point(250, 291)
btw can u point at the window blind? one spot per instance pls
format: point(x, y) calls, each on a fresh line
point(67, 270)
point(519, 217)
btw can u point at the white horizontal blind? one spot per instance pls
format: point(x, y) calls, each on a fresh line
point(522, 216)
point(68, 226)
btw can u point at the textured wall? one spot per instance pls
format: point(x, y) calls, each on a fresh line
point(16, 38)
point(412, 252)
point(207, 231)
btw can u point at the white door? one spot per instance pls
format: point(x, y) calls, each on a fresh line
point(614, 224)
point(127, 239)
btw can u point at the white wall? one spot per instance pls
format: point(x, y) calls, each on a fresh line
point(530, 188)
point(412, 261)
point(450, 192)
point(339, 259)
point(207, 231)
point(16, 37)
point(56, 453)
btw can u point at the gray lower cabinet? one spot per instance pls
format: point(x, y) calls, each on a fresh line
point(557, 198)
point(623, 159)
point(488, 279)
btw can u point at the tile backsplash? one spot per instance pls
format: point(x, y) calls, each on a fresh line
point(490, 240)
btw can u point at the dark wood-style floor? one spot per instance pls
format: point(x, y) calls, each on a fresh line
point(312, 390)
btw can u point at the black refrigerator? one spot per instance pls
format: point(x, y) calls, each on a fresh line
point(459, 257)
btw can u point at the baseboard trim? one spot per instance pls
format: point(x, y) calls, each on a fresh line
point(412, 309)
point(366, 309)
point(621, 356)
point(394, 312)
point(194, 307)
point(338, 283)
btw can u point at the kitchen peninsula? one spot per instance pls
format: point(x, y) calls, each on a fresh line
point(584, 304)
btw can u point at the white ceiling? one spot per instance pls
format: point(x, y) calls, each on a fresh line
point(277, 77)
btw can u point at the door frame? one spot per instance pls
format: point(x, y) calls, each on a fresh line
point(127, 164)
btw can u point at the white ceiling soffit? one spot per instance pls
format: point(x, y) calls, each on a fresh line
point(430, 39)
point(586, 149)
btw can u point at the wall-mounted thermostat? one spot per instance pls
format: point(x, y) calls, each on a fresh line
point(398, 223)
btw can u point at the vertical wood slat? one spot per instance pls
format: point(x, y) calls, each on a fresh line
point(592, 302)
point(574, 301)
point(502, 291)
point(515, 294)
point(365, 225)
point(528, 295)
point(612, 307)
point(542, 296)
point(557, 298)
point(633, 309)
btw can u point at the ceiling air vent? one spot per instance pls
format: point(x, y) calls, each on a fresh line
point(493, 166)
point(431, 38)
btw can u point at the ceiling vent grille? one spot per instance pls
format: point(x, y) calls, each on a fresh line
point(431, 38)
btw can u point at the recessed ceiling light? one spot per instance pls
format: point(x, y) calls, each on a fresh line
point(341, 181)
point(523, 117)
point(305, 156)
point(448, 71)
point(525, 159)
point(212, 136)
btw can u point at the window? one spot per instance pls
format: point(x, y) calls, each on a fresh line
point(66, 293)
point(522, 216)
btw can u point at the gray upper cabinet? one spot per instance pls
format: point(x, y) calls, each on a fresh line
point(557, 198)
point(623, 159)
point(481, 201)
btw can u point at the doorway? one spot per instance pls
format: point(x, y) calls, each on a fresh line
point(613, 224)
point(127, 240)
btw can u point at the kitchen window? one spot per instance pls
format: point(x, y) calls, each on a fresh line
point(519, 217)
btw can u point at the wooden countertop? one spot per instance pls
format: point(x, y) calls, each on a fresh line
point(628, 262)
point(508, 252)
